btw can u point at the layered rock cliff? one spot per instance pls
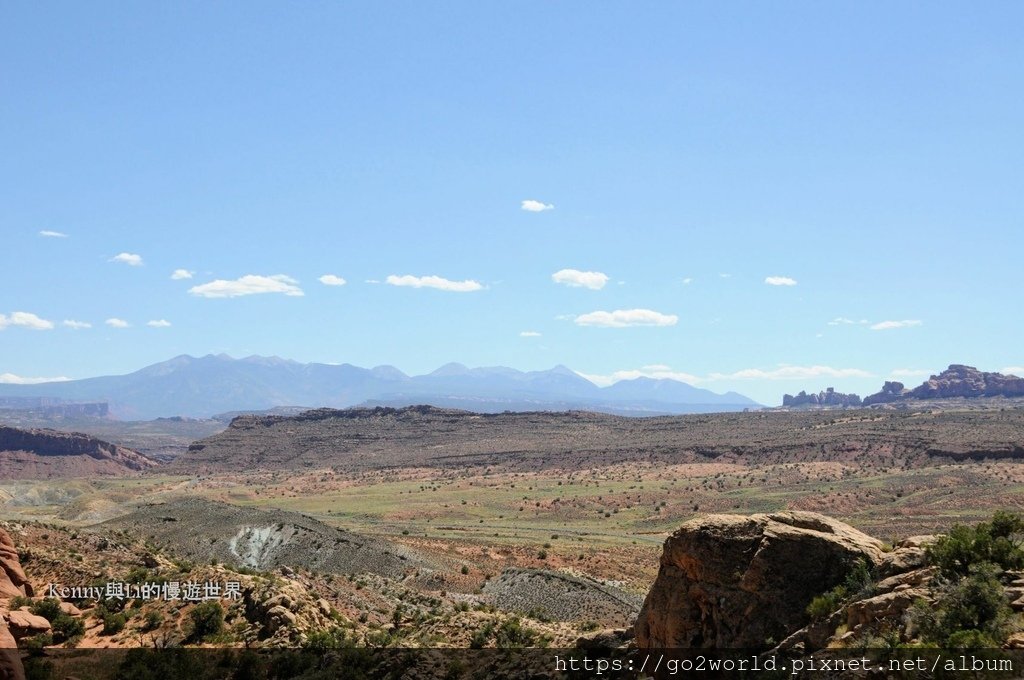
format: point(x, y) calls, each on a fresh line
point(49, 453)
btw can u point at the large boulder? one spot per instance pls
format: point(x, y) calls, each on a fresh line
point(731, 581)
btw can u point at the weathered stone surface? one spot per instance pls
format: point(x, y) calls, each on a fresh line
point(888, 606)
point(911, 579)
point(900, 560)
point(24, 623)
point(745, 581)
point(70, 609)
point(13, 581)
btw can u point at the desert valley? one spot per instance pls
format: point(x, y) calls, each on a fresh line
point(424, 527)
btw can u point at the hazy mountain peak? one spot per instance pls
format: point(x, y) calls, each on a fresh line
point(388, 372)
point(453, 368)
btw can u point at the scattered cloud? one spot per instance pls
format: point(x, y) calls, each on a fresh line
point(179, 274)
point(46, 233)
point(531, 205)
point(529, 334)
point(887, 325)
point(621, 318)
point(1013, 370)
point(130, 259)
point(687, 281)
point(114, 322)
point(25, 320)
point(574, 278)
point(332, 280)
point(911, 372)
point(159, 323)
point(786, 372)
point(76, 325)
point(250, 284)
point(779, 281)
point(11, 379)
point(658, 372)
point(437, 282)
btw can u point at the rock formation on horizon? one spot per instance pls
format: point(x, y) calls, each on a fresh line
point(827, 398)
point(956, 381)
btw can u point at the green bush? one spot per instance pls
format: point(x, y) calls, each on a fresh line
point(482, 636)
point(152, 620)
point(66, 628)
point(48, 608)
point(997, 542)
point(972, 609)
point(207, 619)
point(513, 634)
point(322, 641)
point(826, 603)
point(113, 623)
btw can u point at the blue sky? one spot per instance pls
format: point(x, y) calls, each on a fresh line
point(868, 155)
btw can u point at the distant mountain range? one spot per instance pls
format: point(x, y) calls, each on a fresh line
point(204, 386)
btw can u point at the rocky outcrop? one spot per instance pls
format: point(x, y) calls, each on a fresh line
point(13, 581)
point(957, 381)
point(23, 623)
point(49, 453)
point(730, 581)
point(827, 398)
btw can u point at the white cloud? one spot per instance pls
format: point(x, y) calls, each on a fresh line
point(687, 281)
point(11, 379)
point(780, 281)
point(786, 372)
point(911, 372)
point(657, 371)
point(1013, 370)
point(332, 280)
point(886, 325)
point(529, 334)
point(437, 282)
point(25, 320)
point(159, 323)
point(114, 322)
point(130, 259)
point(179, 274)
point(840, 321)
point(574, 278)
point(661, 371)
point(250, 284)
point(46, 233)
point(76, 325)
point(531, 205)
point(622, 318)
